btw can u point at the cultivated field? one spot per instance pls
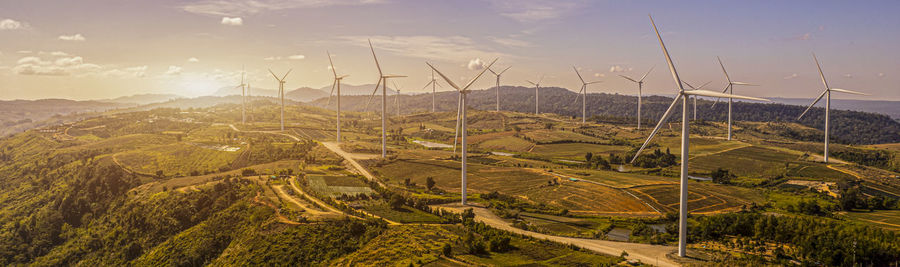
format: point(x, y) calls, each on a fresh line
point(888, 219)
point(702, 197)
point(337, 185)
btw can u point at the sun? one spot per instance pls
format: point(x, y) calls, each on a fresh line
point(198, 85)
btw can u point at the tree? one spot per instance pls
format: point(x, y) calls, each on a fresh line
point(588, 156)
point(429, 183)
point(396, 201)
point(406, 182)
point(722, 176)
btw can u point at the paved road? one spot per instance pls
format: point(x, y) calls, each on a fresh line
point(336, 148)
point(648, 254)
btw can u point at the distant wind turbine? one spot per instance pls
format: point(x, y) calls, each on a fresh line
point(243, 97)
point(498, 84)
point(640, 83)
point(337, 83)
point(730, 88)
point(683, 95)
point(397, 97)
point(537, 86)
point(433, 83)
point(827, 94)
point(695, 97)
point(382, 80)
point(461, 117)
point(583, 93)
point(281, 92)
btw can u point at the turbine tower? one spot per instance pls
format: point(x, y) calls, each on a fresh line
point(827, 95)
point(249, 105)
point(498, 84)
point(730, 89)
point(695, 97)
point(461, 114)
point(397, 97)
point(433, 83)
point(281, 92)
point(382, 80)
point(683, 95)
point(337, 83)
point(583, 93)
point(243, 97)
point(537, 86)
point(640, 83)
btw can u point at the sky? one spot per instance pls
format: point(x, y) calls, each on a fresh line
point(97, 49)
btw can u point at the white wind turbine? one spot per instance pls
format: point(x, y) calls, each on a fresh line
point(498, 84)
point(683, 95)
point(281, 92)
point(433, 84)
point(397, 97)
point(537, 86)
point(583, 93)
point(640, 83)
point(730, 89)
point(695, 97)
point(337, 83)
point(461, 117)
point(382, 80)
point(244, 90)
point(827, 95)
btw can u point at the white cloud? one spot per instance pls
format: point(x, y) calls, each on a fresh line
point(9, 24)
point(534, 10)
point(880, 75)
point(58, 64)
point(599, 75)
point(69, 61)
point(271, 58)
point(793, 75)
point(76, 37)
point(619, 68)
point(57, 53)
point(447, 48)
point(296, 57)
point(174, 70)
point(24, 51)
point(193, 60)
point(475, 64)
point(510, 42)
point(246, 7)
point(138, 71)
point(236, 21)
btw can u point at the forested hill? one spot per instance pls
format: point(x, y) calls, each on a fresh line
point(848, 127)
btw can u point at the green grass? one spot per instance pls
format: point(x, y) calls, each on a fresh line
point(336, 185)
point(177, 158)
point(506, 143)
point(404, 215)
point(763, 162)
point(576, 151)
point(554, 136)
point(888, 219)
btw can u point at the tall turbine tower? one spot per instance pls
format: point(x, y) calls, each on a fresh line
point(498, 84)
point(583, 93)
point(695, 97)
point(537, 86)
point(433, 83)
point(382, 80)
point(827, 94)
point(683, 95)
point(463, 93)
point(243, 97)
point(249, 105)
point(337, 83)
point(281, 92)
point(397, 97)
point(730, 89)
point(640, 83)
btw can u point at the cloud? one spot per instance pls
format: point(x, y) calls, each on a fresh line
point(618, 68)
point(9, 24)
point(57, 64)
point(236, 21)
point(75, 38)
point(510, 42)
point(793, 75)
point(174, 70)
point(599, 75)
point(24, 52)
point(248, 7)
point(880, 75)
point(137, 71)
point(271, 58)
point(291, 57)
point(527, 11)
point(848, 75)
point(475, 64)
point(296, 57)
point(803, 37)
point(446, 48)
point(193, 60)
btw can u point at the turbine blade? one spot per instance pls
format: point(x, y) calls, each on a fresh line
point(479, 75)
point(705, 84)
point(458, 112)
point(332, 91)
point(645, 74)
point(376, 58)
point(448, 80)
point(286, 74)
point(658, 125)
point(668, 58)
point(492, 71)
point(821, 74)
point(723, 69)
point(594, 82)
point(579, 74)
point(273, 74)
point(701, 92)
point(504, 70)
point(743, 83)
point(532, 83)
point(540, 80)
point(332, 64)
point(578, 95)
point(369, 101)
point(626, 77)
point(813, 104)
point(427, 84)
point(847, 91)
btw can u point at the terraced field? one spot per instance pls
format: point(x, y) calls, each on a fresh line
point(754, 161)
point(576, 151)
point(888, 219)
point(617, 179)
point(555, 136)
point(702, 197)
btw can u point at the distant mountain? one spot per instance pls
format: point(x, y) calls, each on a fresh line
point(890, 108)
point(143, 99)
point(20, 115)
point(254, 91)
point(362, 89)
point(305, 94)
point(851, 127)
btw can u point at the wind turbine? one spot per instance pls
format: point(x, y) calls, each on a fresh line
point(640, 83)
point(537, 86)
point(683, 95)
point(498, 84)
point(583, 93)
point(397, 97)
point(382, 80)
point(463, 93)
point(337, 83)
point(730, 88)
point(249, 105)
point(281, 92)
point(695, 97)
point(243, 97)
point(827, 94)
point(433, 83)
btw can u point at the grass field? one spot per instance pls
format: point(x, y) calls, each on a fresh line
point(177, 158)
point(754, 161)
point(617, 179)
point(568, 226)
point(576, 151)
point(403, 215)
point(553, 136)
point(401, 246)
point(703, 197)
point(505, 143)
point(888, 219)
point(336, 185)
